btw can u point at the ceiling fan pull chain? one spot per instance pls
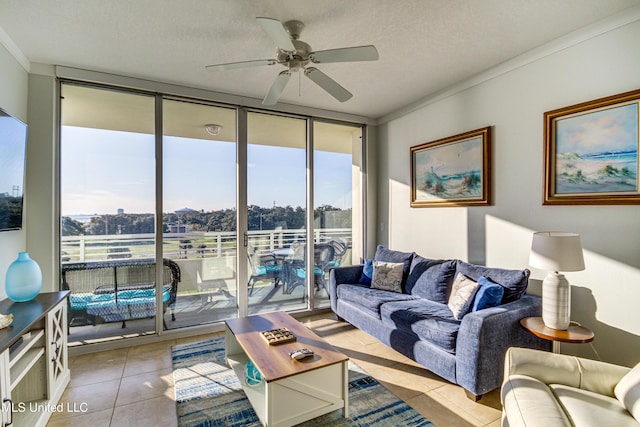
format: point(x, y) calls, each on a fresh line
point(299, 84)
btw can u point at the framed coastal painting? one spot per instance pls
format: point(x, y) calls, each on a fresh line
point(453, 171)
point(591, 152)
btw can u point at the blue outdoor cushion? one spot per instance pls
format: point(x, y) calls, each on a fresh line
point(389, 255)
point(488, 295)
point(367, 272)
point(430, 278)
point(431, 321)
point(79, 301)
point(95, 298)
point(514, 282)
point(261, 270)
point(136, 293)
point(108, 309)
point(131, 304)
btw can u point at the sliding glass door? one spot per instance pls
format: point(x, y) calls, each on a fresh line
point(107, 206)
point(199, 209)
point(337, 201)
point(242, 211)
point(277, 214)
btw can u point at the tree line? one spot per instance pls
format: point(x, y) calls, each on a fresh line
point(259, 218)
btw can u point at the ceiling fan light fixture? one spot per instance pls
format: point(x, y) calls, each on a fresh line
point(213, 129)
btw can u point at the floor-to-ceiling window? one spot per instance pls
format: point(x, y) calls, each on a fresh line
point(277, 213)
point(199, 209)
point(107, 206)
point(337, 153)
point(201, 190)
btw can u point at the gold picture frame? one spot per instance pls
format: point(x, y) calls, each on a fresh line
point(591, 152)
point(453, 171)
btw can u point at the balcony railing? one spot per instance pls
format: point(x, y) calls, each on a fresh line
point(190, 245)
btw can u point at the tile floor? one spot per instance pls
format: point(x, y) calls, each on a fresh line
point(134, 386)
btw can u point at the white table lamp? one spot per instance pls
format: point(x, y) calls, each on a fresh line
point(556, 251)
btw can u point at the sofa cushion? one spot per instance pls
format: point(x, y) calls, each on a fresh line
point(431, 278)
point(387, 276)
point(586, 408)
point(628, 391)
point(463, 291)
point(489, 294)
point(515, 282)
point(368, 298)
point(528, 401)
point(367, 272)
point(430, 321)
point(389, 255)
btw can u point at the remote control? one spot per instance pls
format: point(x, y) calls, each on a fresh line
point(303, 353)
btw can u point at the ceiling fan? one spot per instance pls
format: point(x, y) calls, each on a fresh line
point(295, 54)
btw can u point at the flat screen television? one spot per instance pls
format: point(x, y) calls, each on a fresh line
point(13, 146)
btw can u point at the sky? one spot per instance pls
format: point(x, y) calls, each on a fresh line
point(609, 129)
point(452, 158)
point(12, 152)
point(103, 171)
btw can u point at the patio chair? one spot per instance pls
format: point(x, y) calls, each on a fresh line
point(263, 267)
point(340, 247)
point(295, 266)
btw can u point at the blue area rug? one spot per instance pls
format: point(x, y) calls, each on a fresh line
point(208, 393)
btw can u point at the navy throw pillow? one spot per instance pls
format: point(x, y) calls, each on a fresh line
point(514, 282)
point(431, 278)
point(489, 294)
point(367, 272)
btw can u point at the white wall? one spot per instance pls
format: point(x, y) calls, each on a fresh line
point(42, 222)
point(606, 294)
point(13, 99)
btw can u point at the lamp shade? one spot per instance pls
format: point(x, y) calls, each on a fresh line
point(556, 251)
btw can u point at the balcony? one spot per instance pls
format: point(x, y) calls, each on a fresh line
point(207, 290)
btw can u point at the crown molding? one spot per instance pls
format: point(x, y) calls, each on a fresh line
point(14, 50)
point(576, 37)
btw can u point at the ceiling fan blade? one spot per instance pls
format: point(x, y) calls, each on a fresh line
point(328, 84)
point(276, 88)
point(346, 54)
point(243, 64)
point(278, 34)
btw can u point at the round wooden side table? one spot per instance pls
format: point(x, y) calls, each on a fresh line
point(575, 334)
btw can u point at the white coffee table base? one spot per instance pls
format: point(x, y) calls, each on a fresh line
point(294, 399)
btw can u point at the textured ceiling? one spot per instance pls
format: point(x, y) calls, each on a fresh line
point(425, 46)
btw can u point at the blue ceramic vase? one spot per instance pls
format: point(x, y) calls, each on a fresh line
point(24, 279)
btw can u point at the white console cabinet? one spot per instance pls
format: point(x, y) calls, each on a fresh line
point(34, 368)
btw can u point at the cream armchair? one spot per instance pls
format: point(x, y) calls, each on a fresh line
point(549, 390)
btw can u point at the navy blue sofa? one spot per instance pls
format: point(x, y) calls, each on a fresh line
point(419, 324)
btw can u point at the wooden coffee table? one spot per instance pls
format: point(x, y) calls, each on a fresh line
point(291, 391)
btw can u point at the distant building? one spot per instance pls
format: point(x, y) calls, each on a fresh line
point(120, 211)
point(178, 228)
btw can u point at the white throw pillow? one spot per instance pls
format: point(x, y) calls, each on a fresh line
point(387, 276)
point(628, 392)
point(462, 293)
